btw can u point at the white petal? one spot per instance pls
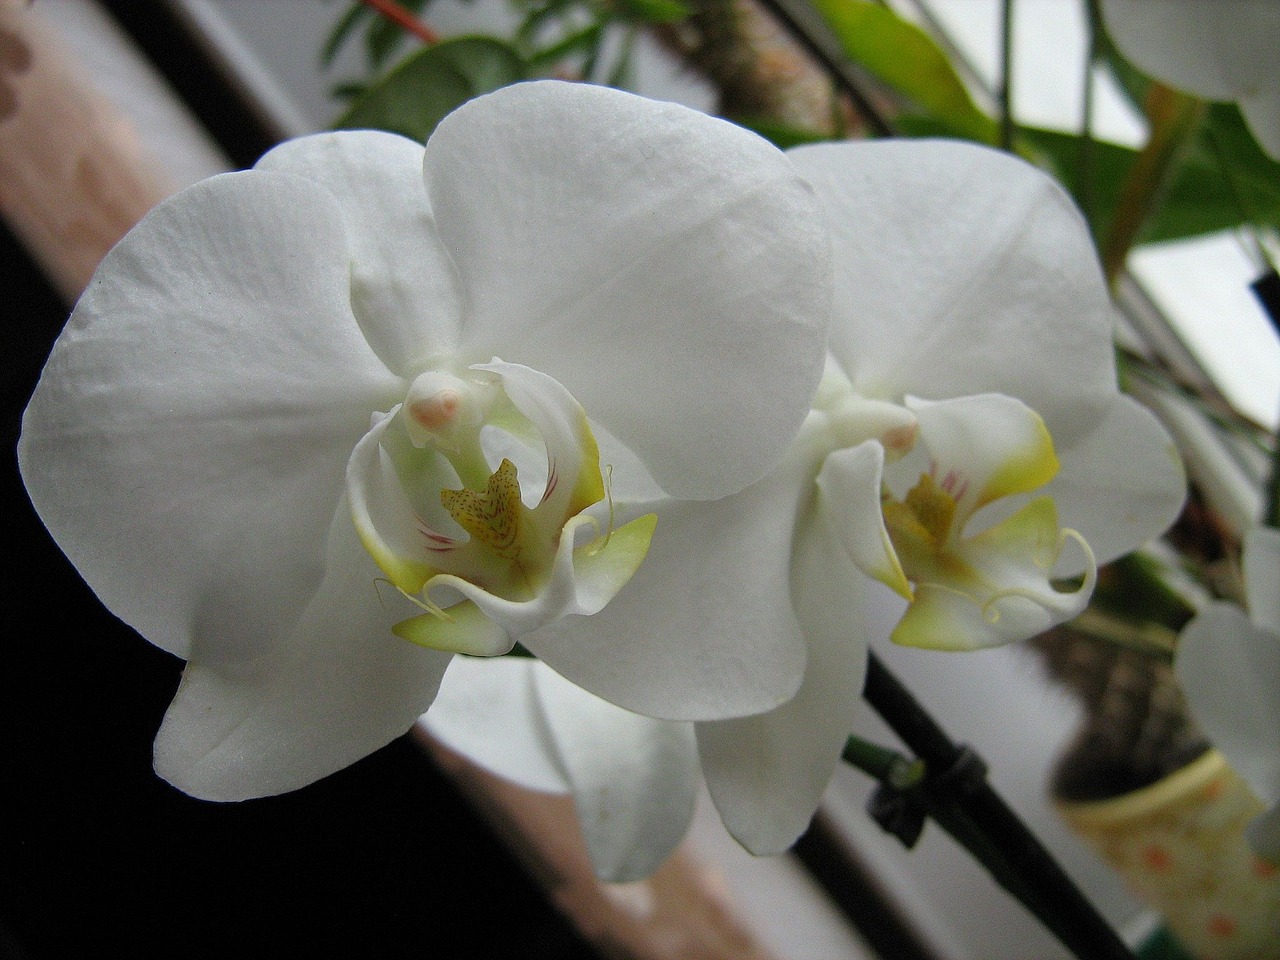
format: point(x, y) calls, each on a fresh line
point(1261, 563)
point(1220, 50)
point(1001, 592)
point(487, 710)
point(1230, 671)
point(668, 268)
point(403, 288)
point(188, 438)
point(849, 500)
point(767, 773)
point(1121, 482)
point(385, 520)
point(961, 270)
point(984, 448)
point(705, 629)
point(337, 688)
point(635, 779)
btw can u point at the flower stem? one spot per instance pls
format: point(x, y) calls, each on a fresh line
point(403, 19)
point(1087, 162)
point(957, 796)
point(803, 21)
point(1173, 117)
point(1008, 128)
point(1267, 291)
point(889, 766)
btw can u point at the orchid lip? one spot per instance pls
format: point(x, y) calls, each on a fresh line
point(433, 509)
point(965, 589)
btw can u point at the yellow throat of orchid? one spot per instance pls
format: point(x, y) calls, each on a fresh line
point(965, 589)
point(434, 514)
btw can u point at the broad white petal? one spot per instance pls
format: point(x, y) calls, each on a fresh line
point(668, 268)
point(1121, 483)
point(766, 774)
point(187, 441)
point(487, 710)
point(1261, 562)
point(338, 687)
point(403, 288)
point(1230, 671)
point(961, 270)
point(705, 629)
point(634, 779)
point(1220, 50)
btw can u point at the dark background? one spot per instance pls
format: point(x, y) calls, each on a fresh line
point(100, 857)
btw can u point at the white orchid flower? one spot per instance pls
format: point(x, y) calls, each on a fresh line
point(1215, 49)
point(285, 432)
point(1228, 663)
point(968, 446)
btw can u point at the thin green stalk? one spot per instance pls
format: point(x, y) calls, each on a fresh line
point(1173, 117)
point(1267, 291)
point(888, 766)
point(1087, 160)
point(1008, 129)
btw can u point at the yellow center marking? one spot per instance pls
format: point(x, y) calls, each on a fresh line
point(933, 507)
point(492, 517)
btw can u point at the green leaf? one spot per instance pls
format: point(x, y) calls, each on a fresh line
point(585, 41)
point(1062, 154)
point(1254, 178)
point(538, 17)
point(650, 11)
point(384, 36)
point(341, 31)
point(421, 90)
point(1202, 196)
point(348, 90)
point(905, 58)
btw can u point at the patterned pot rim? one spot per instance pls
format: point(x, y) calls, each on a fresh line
point(1196, 775)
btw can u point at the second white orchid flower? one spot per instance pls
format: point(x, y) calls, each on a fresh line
point(968, 447)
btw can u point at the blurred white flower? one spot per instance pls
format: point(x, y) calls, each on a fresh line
point(1215, 49)
point(1228, 663)
point(289, 415)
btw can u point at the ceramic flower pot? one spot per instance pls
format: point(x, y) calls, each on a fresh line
point(1180, 845)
